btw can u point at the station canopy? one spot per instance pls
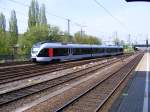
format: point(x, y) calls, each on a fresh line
point(138, 0)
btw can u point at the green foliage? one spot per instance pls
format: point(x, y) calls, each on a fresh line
point(66, 38)
point(33, 14)
point(54, 34)
point(42, 16)
point(2, 22)
point(128, 48)
point(13, 29)
point(32, 36)
point(4, 45)
point(86, 39)
point(38, 30)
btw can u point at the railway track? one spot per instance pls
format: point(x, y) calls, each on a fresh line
point(20, 73)
point(95, 97)
point(30, 90)
point(14, 63)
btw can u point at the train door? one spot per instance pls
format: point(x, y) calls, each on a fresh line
point(70, 53)
point(92, 52)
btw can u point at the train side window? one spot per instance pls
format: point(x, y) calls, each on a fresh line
point(98, 50)
point(89, 50)
point(116, 50)
point(107, 50)
point(60, 51)
point(81, 51)
point(93, 50)
point(86, 51)
point(112, 50)
point(101, 50)
point(76, 51)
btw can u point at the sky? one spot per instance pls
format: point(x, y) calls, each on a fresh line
point(128, 18)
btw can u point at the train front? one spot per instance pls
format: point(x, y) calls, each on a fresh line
point(35, 51)
point(40, 52)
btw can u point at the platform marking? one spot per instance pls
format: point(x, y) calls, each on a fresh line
point(145, 105)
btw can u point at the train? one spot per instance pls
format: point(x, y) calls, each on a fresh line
point(48, 52)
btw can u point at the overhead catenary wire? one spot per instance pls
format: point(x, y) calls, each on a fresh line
point(20, 3)
point(109, 13)
point(22, 14)
point(18, 12)
point(26, 5)
point(49, 13)
point(8, 10)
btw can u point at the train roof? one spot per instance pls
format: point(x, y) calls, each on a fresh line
point(65, 45)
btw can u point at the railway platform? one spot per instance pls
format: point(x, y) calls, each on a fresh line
point(135, 96)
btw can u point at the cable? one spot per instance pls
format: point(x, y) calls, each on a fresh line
point(25, 5)
point(15, 11)
point(109, 13)
point(77, 24)
point(20, 21)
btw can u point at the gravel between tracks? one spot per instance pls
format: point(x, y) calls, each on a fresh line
point(35, 80)
point(20, 73)
point(59, 99)
point(52, 90)
point(93, 100)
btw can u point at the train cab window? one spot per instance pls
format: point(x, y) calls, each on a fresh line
point(60, 52)
point(43, 53)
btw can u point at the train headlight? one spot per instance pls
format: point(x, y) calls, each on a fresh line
point(34, 50)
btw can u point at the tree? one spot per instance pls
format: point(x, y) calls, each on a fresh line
point(93, 40)
point(42, 16)
point(65, 38)
point(86, 39)
point(78, 38)
point(32, 36)
point(13, 31)
point(13, 28)
point(54, 34)
point(33, 14)
point(4, 45)
point(2, 22)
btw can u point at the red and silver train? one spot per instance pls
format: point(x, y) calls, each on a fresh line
point(46, 51)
